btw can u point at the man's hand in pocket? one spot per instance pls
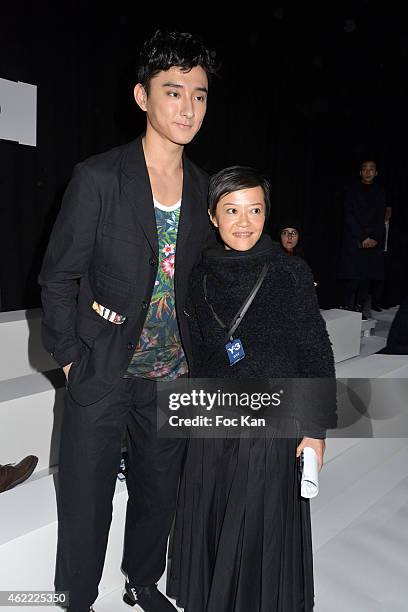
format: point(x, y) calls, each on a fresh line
point(66, 369)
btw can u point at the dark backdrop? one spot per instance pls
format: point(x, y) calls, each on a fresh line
point(305, 93)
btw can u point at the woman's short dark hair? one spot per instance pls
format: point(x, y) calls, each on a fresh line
point(167, 49)
point(236, 178)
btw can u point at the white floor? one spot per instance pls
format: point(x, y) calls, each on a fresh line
point(360, 517)
point(360, 533)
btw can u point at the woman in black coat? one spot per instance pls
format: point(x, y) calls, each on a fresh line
point(242, 538)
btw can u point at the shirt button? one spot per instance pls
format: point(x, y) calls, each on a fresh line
point(153, 261)
point(130, 346)
point(144, 305)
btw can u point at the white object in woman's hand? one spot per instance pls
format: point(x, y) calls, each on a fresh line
point(318, 445)
point(309, 486)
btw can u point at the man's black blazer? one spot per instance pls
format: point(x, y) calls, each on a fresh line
point(104, 247)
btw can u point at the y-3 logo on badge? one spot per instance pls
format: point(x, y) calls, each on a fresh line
point(235, 351)
point(234, 347)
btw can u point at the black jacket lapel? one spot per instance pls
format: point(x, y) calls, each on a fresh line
point(190, 202)
point(136, 186)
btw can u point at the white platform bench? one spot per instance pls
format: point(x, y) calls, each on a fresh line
point(344, 329)
point(21, 350)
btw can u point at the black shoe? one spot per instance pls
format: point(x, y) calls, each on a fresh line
point(147, 598)
point(376, 307)
point(359, 309)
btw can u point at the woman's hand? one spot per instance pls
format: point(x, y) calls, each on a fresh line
point(318, 445)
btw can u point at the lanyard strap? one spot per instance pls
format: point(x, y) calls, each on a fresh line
point(242, 311)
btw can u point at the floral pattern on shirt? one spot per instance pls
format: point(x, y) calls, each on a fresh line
point(159, 354)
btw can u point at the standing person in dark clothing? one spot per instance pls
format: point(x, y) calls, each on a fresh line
point(114, 283)
point(242, 539)
point(362, 251)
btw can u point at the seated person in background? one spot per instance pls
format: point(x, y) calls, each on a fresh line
point(13, 474)
point(289, 237)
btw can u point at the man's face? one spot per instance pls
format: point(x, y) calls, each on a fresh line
point(368, 172)
point(240, 218)
point(176, 103)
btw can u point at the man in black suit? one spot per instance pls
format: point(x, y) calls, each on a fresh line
point(114, 280)
point(362, 252)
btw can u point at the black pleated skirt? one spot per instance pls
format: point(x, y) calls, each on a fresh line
point(242, 535)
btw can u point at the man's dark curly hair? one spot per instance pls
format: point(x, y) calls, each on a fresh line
point(167, 49)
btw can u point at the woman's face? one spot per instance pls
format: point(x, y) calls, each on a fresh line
point(289, 238)
point(240, 218)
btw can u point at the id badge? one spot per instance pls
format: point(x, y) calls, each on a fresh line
point(235, 351)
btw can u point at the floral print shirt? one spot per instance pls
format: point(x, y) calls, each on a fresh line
point(159, 354)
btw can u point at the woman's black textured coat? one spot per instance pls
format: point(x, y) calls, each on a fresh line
point(242, 537)
point(283, 333)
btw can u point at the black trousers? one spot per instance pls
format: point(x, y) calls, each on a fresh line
point(90, 454)
point(377, 291)
point(354, 292)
